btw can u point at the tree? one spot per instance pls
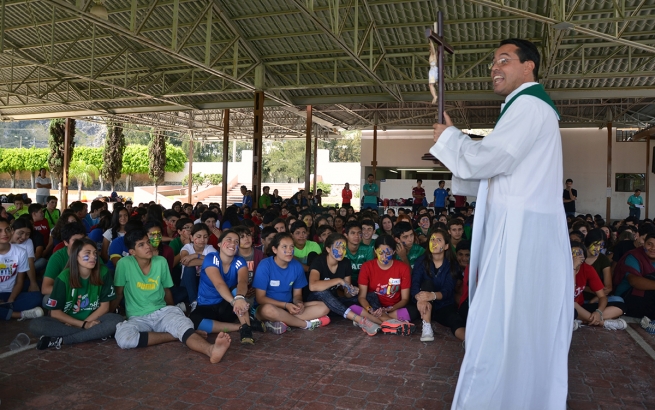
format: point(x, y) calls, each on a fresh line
point(346, 149)
point(175, 158)
point(286, 161)
point(135, 161)
point(157, 159)
point(56, 143)
point(35, 159)
point(83, 173)
point(112, 156)
point(12, 161)
point(197, 179)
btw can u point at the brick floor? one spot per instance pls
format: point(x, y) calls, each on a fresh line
point(333, 367)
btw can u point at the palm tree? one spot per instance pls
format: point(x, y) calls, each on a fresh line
point(83, 173)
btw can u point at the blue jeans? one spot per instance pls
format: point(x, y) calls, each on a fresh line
point(24, 301)
point(636, 212)
point(334, 303)
point(190, 282)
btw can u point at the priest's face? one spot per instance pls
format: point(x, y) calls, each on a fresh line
point(507, 71)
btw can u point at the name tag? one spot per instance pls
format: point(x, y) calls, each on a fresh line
point(275, 283)
point(394, 281)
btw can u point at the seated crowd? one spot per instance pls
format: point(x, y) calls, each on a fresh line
point(147, 275)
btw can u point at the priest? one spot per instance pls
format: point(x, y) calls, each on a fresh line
point(521, 274)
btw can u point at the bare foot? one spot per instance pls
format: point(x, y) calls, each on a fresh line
point(219, 348)
point(201, 333)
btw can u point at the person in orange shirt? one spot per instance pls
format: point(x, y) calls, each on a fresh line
point(346, 195)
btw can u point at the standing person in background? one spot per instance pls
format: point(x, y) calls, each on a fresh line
point(247, 199)
point(636, 202)
point(43, 186)
point(570, 195)
point(346, 196)
point(317, 198)
point(418, 193)
point(440, 196)
point(371, 192)
point(265, 199)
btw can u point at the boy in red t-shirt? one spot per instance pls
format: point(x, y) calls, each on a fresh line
point(602, 313)
point(384, 290)
point(40, 223)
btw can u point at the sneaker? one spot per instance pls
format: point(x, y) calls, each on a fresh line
point(277, 328)
point(427, 335)
point(398, 327)
point(31, 313)
point(182, 306)
point(257, 325)
point(46, 342)
point(615, 324)
point(648, 325)
point(576, 324)
point(194, 304)
point(246, 335)
point(320, 322)
point(369, 327)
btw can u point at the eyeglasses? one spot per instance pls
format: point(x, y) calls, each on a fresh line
point(501, 62)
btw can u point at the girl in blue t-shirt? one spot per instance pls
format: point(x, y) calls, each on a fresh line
point(217, 309)
point(279, 281)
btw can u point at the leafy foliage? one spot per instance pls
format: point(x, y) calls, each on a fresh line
point(112, 156)
point(157, 158)
point(197, 179)
point(214, 179)
point(12, 161)
point(175, 158)
point(56, 142)
point(35, 159)
point(83, 173)
point(346, 149)
point(327, 188)
point(285, 161)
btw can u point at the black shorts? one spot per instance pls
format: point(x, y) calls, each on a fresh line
point(220, 312)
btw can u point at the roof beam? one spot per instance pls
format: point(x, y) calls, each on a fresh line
point(551, 21)
point(346, 49)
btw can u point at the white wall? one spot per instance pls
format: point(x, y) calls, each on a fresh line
point(336, 172)
point(584, 156)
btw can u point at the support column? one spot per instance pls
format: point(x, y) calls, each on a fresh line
point(67, 159)
point(308, 148)
point(646, 185)
point(226, 148)
point(315, 160)
point(609, 173)
point(190, 183)
point(257, 141)
point(374, 163)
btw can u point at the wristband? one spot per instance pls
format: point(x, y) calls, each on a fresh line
point(84, 325)
point(600, 313)
point(198, 256)
point(237, 297)
point(285, 305)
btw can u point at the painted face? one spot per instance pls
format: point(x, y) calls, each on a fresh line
point(154, 236)
point(407, 239)
point(578, 257)
point(437, 243)
point(595, 248)
point(308, 220)
point(230, 244)
point(424, 222)
point(200, 239)
point(338, 250)
point(284, 251)
point(384, 254)
point(88, 256)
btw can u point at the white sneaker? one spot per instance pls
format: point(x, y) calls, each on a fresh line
point(194, 304)
point(615, 324)
point(645, 322)
point(31, 313)
point(427, 335)
point(182, 306)
point(576, 324)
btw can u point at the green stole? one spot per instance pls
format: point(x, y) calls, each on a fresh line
point(536, 90)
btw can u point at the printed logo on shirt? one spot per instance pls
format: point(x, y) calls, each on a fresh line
point(388, 289)
point(8, 270)
point(275, 283)
point(111, 291)
point(151, 285)
point(51, 303)
point(578, 291)
point(216, 261)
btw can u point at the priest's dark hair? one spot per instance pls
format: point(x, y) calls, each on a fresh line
point(527, 52)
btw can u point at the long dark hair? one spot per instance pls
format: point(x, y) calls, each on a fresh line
point(231, 216)
point(276, 242)
point(448, 254)
point(74, 267)
point(115, 224)
point(63, 220)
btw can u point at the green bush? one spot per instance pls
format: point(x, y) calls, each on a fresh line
point(327, 188)
point(214, 179)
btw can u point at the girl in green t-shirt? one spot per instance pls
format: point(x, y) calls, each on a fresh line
point(79, 303)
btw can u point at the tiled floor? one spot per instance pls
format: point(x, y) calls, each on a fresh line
point(333, 367)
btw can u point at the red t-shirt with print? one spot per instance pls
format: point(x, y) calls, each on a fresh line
point(43, 228)
point(586, 276)
point(387, 284)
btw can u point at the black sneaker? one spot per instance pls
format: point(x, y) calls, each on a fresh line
point(46, 342)
point(256, 325)
point(246, 334)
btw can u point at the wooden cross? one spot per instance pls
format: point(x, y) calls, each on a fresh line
point(441, 46)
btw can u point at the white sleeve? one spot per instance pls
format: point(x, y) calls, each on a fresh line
point(189, 248)
point(107, 235)
point(23, 266)
point(500, 152)
point(29, 248)
point(209, 249)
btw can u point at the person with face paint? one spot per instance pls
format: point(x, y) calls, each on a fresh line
point(602, 313)
point(209, 218)
point(595, 243)
point(192, 256)
point(330, 282)
point(222, 292)
point(433, 287)
point(356, 253)
point(251, 256)
point(79, 302)
point(388, 282)
point(279, 281)
point(155, 235)
point(422, 229)
point(406, 250)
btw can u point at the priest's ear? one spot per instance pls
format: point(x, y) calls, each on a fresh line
point(528, 70)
